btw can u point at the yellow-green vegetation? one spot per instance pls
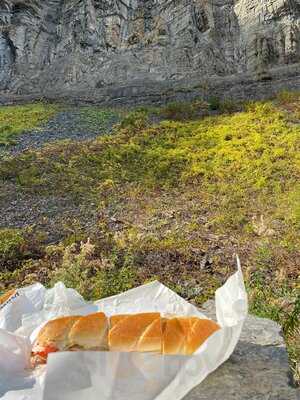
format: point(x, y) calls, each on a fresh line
point(180, 111)
point(95, 118)
point(17, 119)
point(183, 111)
point(17, 245)
point(11, 242)
point(235, 159)
point(174, 201)
point(78, 270)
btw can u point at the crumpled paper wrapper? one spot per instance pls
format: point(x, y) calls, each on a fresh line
point(112, 375)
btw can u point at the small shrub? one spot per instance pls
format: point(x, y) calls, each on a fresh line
point(138, 119)
point(19, 245)
point(279, 302)
point(229, 106)
point(93, 277)
point(113, 281)
point(73, 271)
point(11, 242)
point(178, 111)
point(286, 96)
point(184, 111)
point(214, 103)
point(5, 135)
point(293, 319)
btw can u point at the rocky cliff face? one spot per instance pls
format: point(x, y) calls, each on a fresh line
point(64, 44)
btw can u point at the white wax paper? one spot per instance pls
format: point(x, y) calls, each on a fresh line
point(27, 300)
point(113, 375)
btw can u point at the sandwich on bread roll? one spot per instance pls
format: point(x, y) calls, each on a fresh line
point(184, 335)
point(6, 296)
point(71, 334)
point(135, 332)
point(144, 332)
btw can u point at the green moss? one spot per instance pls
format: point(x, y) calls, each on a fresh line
point(135, 120)
point(95, 118)
point(239, 158)
point(17, 119)
point(290, 205)
point(264, 256)
point(17, 246)
point(11, 242)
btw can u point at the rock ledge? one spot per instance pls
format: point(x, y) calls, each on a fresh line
point(257, 370)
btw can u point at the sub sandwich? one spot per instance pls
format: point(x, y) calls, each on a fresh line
point(144, 332)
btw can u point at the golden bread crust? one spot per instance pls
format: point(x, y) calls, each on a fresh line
point(56, 332)
point(201, 330)
point(127, 332)
point(184, 335)
point(173, 337)
point(6, 296)
point(90, 332)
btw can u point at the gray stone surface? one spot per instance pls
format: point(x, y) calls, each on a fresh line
point(91, 44)
point(257, 370)
point(194, 87)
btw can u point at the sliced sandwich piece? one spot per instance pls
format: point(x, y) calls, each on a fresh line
point(184, 335)
point(71, 333)
point(89, 333)
point(135, 332)
point(51, 338)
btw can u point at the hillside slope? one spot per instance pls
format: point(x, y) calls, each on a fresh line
point(172, 194)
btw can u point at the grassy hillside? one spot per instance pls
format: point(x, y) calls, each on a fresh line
point(171, 201)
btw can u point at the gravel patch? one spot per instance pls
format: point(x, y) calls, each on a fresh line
point(69, 124)
point(52, 214)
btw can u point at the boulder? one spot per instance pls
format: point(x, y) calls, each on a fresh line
point(257, 370)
